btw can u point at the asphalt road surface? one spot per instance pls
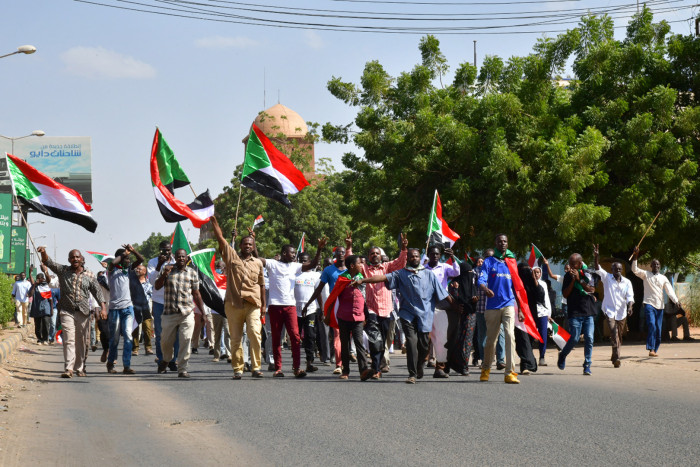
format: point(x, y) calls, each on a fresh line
point(645, 413)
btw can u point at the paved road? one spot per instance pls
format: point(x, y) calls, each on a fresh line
point(646, 412)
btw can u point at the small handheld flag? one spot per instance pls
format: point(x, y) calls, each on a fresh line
point(258, 221)
point(535, 254)
point(439, 233)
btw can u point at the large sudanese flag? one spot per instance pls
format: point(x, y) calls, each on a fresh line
point(267, 171)
point(47, 196)
point(439, 233)
point(166, 176)
point(212, 285)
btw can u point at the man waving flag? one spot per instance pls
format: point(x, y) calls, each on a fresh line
point(439, 233)
point(166, 176)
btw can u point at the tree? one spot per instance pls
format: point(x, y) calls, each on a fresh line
point(150, 247)
point(511, 151)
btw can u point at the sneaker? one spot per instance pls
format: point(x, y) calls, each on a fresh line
point(561, 362)
point(237, 375)
point(184, 374)
point(365, 375)
point(162, 367)
point(410, 380)
point(128, 371)
point(110, 368)
point(511, 378)
point(484, 374)
point(278, 374)
point(543, 362)
point(172, 366)
point(440, 374)
point(587, 371)
point(310, 368)
point(500, 365)
point(337, 370)
point(617, 363)
point(257, 374)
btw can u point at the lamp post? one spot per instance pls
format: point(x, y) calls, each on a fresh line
point(23, 49)
point(15, 138)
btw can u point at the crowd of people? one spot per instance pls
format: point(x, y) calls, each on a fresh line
point(446, 316)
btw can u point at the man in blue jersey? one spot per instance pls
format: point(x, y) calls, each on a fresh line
point(496, 282)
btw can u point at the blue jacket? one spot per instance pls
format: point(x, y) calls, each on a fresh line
point(496, 275)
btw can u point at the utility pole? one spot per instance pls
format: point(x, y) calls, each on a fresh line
point(474, 54)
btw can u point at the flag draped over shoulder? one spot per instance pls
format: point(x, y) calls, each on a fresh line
point(179, 240)
point(330, 309)
point(268, 171)
point(47, 196)
point(212, 285)
point(166, 176)
point(439, 233)
point(521, 296)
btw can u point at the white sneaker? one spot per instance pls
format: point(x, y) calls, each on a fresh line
point(337, 370)
point(391, 348)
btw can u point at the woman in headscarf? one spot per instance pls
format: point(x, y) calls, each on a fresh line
point(460, 340)
point(523, 344)
point(544, 311)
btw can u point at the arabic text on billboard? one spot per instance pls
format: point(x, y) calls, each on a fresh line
point(66, 159)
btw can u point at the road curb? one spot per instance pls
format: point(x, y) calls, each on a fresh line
point(10, 343)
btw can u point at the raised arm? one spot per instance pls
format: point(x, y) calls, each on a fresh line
point(314, 262)
point(218, 234)
point(596, 264)
point(139, 258)
point(635, 270)
point(549, 270)
point(252, 233)
point(454, 271)
point(400, 262)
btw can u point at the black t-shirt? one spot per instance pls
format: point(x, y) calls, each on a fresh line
point(578, 304)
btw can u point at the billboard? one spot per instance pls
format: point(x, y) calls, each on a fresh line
point(18, 252)
point(66, 159)
point(5, 226)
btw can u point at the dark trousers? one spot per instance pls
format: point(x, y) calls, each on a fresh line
point(453, 331)
point(417, 345)
point(352, 329)
point(523, 347)
point(307, 326)
point(41, 328)
point(322, 338)
point(377, 328)
point(103, 326)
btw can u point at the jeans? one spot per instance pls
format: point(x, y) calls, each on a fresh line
point(542, 325)
point(654, 318)
point(416, 345)
point(52, 326)
point(158, 327)
point(578, 324)
point(307, 326)
point(121, 320)
point(348, 329)
point(500, 343)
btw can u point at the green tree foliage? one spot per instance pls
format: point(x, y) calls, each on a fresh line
point(511, 151)
point(7, 305)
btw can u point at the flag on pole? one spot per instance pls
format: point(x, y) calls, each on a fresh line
point(47, 196)
point(212, 285)
point(535, 254)
point(101, 257)
point(302, 244)
point(258, 221)
point(179, 240)
point(268, 171)
point(166, 176)
point(559, 334)
point(439, 233)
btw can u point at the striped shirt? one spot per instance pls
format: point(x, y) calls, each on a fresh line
point(378, 297)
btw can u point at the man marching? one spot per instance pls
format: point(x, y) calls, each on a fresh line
point(617, 302)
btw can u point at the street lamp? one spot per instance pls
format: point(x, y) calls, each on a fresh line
point(37, 222)
point(13, 139)
point(23, 49)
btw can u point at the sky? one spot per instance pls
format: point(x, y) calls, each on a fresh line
point(114, 75)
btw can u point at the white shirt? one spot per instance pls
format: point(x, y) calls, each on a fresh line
point(654, 286)
point(560, 279)
point(158, 295)
point(20, 289)
point(546, 309)
point(282, 276)
point(304, 286)
point(616, 295)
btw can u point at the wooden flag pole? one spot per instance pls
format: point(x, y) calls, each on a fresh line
point(235, 222)
point(645, 233)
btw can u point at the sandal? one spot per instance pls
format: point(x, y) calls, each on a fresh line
point(278, 374)
point(344, 377)
point(80, 373)
point(299, 373)
point(67, 374)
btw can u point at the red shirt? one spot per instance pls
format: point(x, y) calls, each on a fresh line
point(351, 304)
